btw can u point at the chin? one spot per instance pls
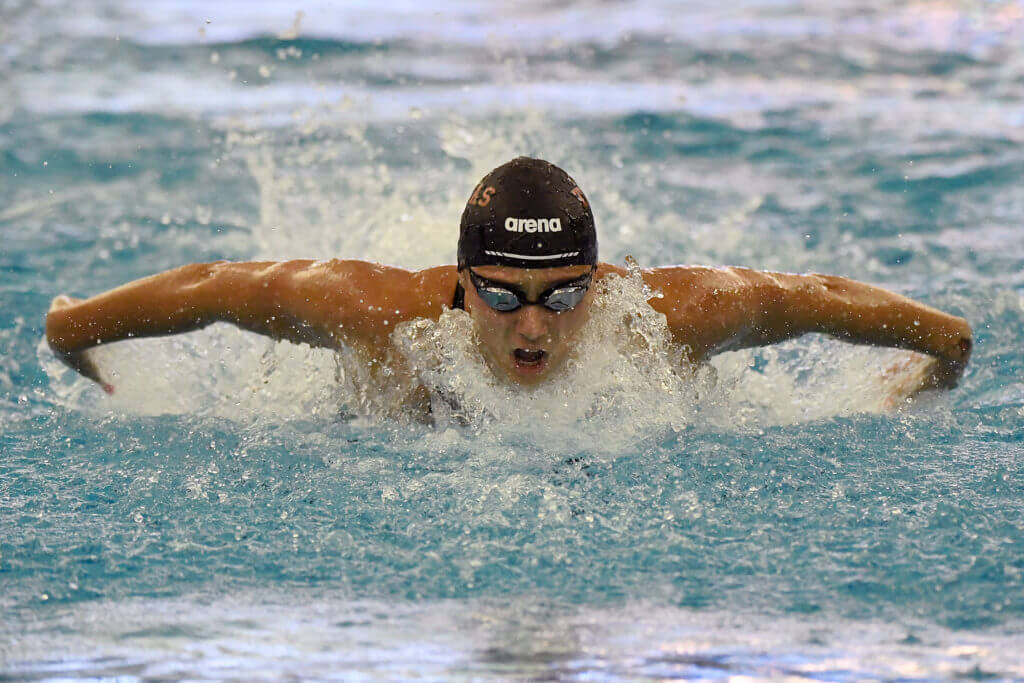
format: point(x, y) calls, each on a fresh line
point(527, 380)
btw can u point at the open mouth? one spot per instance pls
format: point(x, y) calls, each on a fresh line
point(528, 358)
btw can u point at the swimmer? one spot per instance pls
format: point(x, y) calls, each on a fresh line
point(527, 264)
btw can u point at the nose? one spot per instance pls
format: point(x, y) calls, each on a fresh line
point(532, 323)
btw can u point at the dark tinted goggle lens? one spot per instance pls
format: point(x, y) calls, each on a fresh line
point(565, 298)
point(505, 300)
point(499, 299)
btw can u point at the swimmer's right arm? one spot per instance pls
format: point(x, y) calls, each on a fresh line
point(320, 303)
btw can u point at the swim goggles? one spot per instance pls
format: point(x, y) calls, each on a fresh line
point(562, 297)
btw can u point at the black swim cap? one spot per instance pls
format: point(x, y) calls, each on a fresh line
point(527, 213)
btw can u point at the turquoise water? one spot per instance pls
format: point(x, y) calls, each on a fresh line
point(251, 510)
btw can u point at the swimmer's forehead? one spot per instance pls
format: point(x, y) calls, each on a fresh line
point(527, 276)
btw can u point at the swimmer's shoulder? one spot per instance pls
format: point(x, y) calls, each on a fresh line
point(367, 299)
point(414, 293)
point(435, 289)
point(680, 279)
point(699, 302)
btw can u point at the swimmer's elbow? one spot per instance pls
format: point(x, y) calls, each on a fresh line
point(225, 291)
point(813, 302)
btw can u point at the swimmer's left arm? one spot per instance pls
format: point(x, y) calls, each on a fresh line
point(864, 314)
point(731, 308)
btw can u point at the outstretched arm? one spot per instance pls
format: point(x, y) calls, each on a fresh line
point(720, 309)
point(324, 303)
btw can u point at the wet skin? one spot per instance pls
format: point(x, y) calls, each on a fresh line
point(509, 341)
point(339, 303)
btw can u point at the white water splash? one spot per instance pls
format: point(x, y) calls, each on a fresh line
point(624, 373)
point(337, 197)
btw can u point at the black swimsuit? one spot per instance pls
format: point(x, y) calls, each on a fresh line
point(459, 301)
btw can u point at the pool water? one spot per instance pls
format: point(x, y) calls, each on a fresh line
point(252, 510)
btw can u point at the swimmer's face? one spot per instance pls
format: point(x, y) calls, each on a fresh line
point(530, 343)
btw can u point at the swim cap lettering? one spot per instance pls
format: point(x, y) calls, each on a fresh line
point(527, 213)
point(533, 224)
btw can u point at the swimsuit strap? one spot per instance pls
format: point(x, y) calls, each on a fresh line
point(459, 301)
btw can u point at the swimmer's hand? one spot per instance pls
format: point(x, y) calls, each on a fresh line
point(915, 374)
point(79, 361)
